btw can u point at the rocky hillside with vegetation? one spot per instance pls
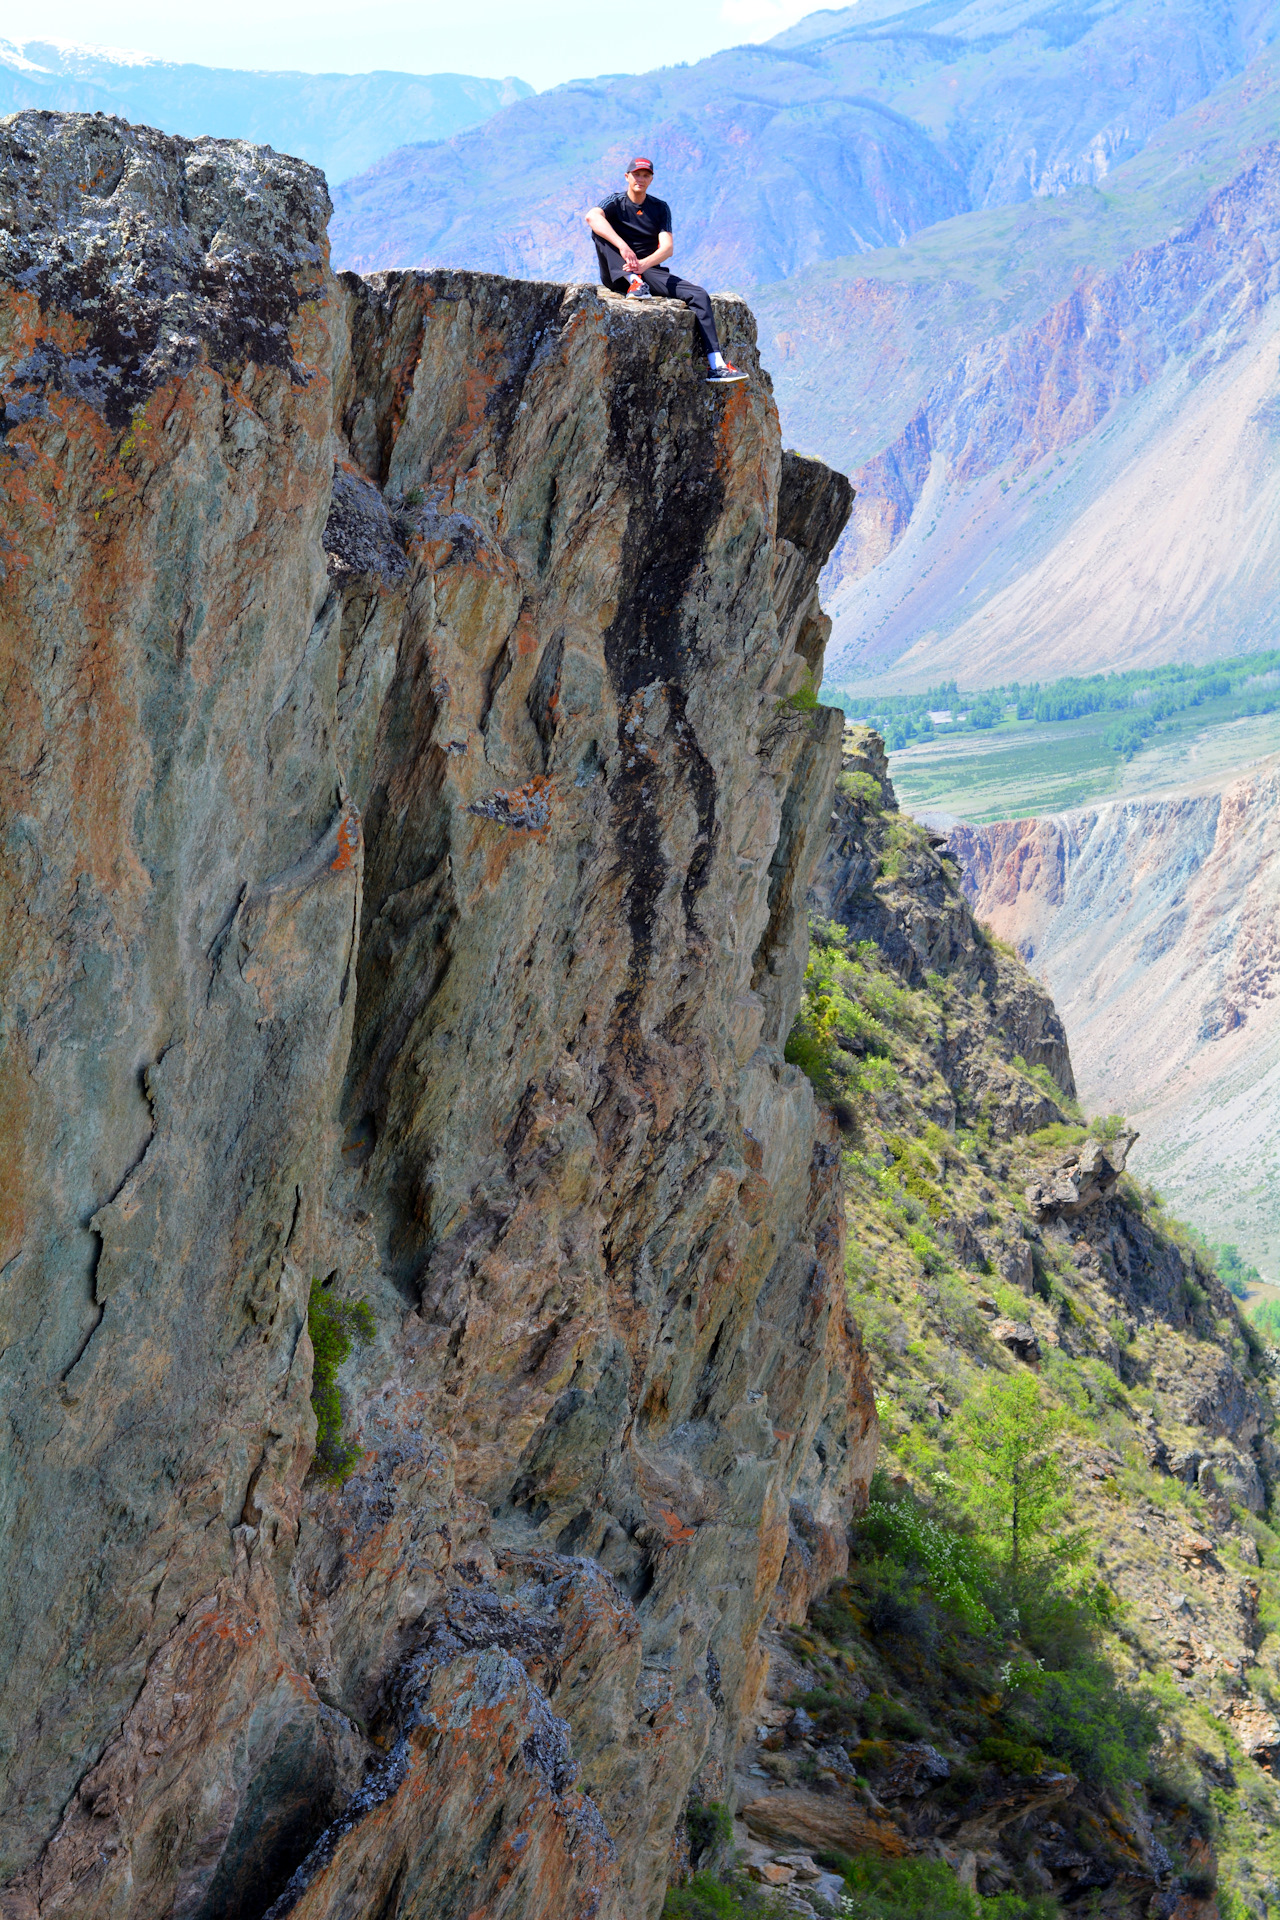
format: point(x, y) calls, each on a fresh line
point(1047, 1684)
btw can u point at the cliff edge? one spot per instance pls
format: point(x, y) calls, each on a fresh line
point(409, 831)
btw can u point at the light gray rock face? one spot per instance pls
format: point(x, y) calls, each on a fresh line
point(409, 837)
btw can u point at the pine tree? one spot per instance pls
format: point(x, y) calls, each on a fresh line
point(1015, 1482)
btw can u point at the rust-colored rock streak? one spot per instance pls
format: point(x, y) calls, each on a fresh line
point(431, 920)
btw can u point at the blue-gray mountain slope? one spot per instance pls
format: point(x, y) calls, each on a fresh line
point(342, 122)
point(852, 131)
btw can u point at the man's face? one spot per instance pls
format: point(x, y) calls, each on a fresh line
point(639, 182)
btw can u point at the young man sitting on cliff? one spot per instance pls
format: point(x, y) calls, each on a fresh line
point(633, 239)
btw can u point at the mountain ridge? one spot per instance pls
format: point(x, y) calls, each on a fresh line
point(850, 140)
point(340, 122)
point(1179, 334)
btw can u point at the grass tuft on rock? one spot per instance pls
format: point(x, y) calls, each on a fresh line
point(334, 1325)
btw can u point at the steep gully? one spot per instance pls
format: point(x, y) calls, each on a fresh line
point(409, 838)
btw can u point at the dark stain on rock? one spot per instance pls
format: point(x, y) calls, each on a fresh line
point(677, 495)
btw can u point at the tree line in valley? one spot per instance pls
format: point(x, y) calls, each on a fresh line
point(1141, 699)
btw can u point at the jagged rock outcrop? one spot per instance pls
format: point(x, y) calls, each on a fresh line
point(409, 838)
point(903, 897)
point(1084, 1177)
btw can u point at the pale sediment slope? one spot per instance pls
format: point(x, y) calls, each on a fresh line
point(1061, 423)
point(1156, 538)
point(1156, 926)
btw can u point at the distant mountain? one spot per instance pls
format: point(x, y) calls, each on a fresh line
point(1061, 418)
point(849, 132)
point(342, 122)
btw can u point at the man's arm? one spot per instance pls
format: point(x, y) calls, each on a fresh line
point(599, 225)
point(665, 248)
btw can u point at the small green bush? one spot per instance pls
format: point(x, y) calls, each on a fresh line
point(1103, 1732)
point(1235, 1273)
point(711, 1896)
point(863, 788)
point(1058, 1134)
point(334, 1325)
point(710, 1828)
point(951, 1562)
point(928, 1890)
point(1010, 1756)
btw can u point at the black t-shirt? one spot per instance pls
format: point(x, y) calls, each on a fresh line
point(638, 226)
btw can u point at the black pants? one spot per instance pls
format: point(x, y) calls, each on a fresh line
point(668, 285)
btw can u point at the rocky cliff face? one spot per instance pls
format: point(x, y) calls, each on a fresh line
point(1153, 922)
point(408, 836)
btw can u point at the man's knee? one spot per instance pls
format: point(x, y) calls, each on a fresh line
point(611, 266)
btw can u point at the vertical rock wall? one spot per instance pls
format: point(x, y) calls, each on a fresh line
point(427, 918)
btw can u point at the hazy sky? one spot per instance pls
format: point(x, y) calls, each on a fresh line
point(542, 43)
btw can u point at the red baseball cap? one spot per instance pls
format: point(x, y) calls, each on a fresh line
point(639, 162)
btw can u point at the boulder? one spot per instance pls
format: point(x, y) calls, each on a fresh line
point(1019, 1337)
point(917, 1768)
point(1193, 1548)
point(819, 1821)
point(1255, 1727)
point(1012, 1799)
point(1080, 1181)
point(771, 1873)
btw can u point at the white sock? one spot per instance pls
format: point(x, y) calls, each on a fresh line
point(715, 361)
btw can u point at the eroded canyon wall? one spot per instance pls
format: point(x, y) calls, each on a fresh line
point(408, 833)
point(1154, 924)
